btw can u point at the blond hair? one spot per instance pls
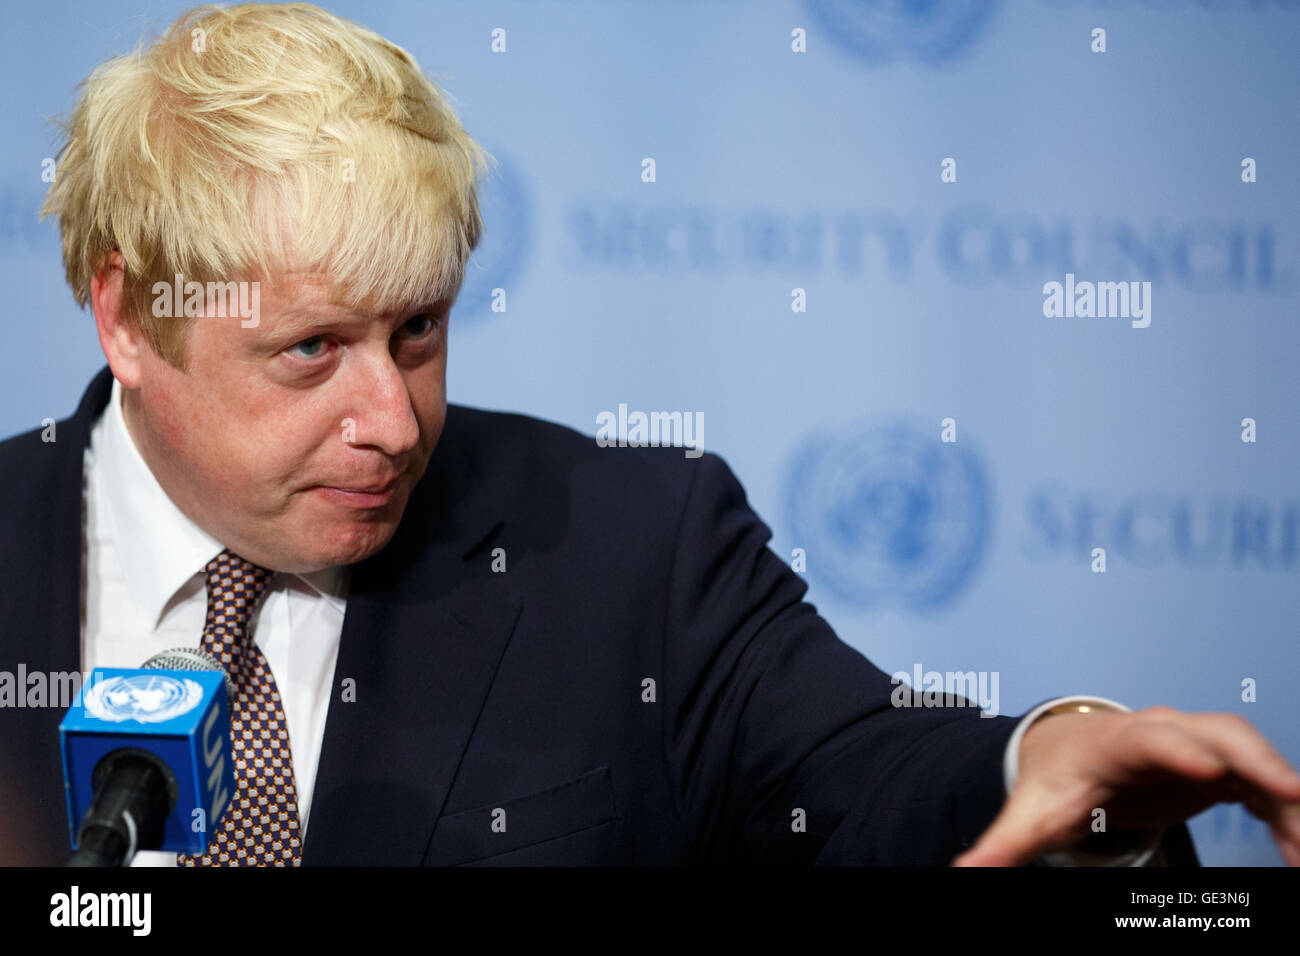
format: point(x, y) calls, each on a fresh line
point(262, 141)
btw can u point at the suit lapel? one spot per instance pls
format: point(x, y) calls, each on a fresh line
point(424, 631)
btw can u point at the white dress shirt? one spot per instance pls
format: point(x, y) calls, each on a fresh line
point(145, 592)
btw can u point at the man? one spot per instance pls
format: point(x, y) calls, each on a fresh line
point(462, 636)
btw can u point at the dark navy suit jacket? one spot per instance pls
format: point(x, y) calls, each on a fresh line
point(528, 691)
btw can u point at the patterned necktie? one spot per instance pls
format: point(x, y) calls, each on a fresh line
point(260, 827)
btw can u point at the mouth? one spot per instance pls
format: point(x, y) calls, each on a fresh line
point(366, 496)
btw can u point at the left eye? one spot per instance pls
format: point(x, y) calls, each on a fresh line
point(416, 326)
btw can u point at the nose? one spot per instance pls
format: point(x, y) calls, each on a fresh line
point(385, 418)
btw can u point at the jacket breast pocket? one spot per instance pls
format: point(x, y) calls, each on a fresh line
point(512, 824)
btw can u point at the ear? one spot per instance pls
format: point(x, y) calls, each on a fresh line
point(122, 344)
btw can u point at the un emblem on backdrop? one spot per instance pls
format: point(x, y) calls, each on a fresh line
point(507, 233)
point(888, 515)
point(879, 31)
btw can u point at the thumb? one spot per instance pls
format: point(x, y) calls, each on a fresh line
point(1024, 829)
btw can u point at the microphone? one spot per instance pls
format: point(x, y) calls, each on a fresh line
point(146, 758)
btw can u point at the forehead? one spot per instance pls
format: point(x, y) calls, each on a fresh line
point(300, 292)
point(301, 301)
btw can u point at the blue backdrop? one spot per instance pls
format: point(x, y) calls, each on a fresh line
point(802, 146)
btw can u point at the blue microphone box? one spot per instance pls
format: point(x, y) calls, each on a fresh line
point(181, 717)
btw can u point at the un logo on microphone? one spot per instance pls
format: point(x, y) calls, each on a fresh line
point(149, 698)
point(889, 515)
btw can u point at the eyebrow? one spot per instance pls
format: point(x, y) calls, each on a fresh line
point(296, 323)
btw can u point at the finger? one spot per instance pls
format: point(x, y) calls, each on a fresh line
point(1035, 820)
point(1290, 850)
point(1287, 844)
point(1283, 820)
point(1167, 745)
point(1284, 834)
point(1222, 753)
point(1268, 785)
point(1031, 823)
point(1245, 750)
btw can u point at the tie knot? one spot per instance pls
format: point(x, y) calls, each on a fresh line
point(234, 587)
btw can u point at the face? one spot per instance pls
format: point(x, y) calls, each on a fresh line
point(277, 437)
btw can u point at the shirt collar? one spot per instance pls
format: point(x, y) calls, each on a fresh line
point(159, 547)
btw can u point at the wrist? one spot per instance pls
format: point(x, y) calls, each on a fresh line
point(1077, 704)
point(1041, 733)
point(1115, 848)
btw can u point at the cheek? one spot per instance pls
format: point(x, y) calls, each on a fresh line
point(182, 426)
point(223, 451)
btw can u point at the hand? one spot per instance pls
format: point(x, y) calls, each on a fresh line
point(1146, 769)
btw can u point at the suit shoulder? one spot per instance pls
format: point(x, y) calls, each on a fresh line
point(524, 448)
point(39, 476)
point(24, 457)
point(486, 431)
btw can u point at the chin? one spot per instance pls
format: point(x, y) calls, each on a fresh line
point(320, 551)
point(333, 536)
point(360, 543)
point(320, 544)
